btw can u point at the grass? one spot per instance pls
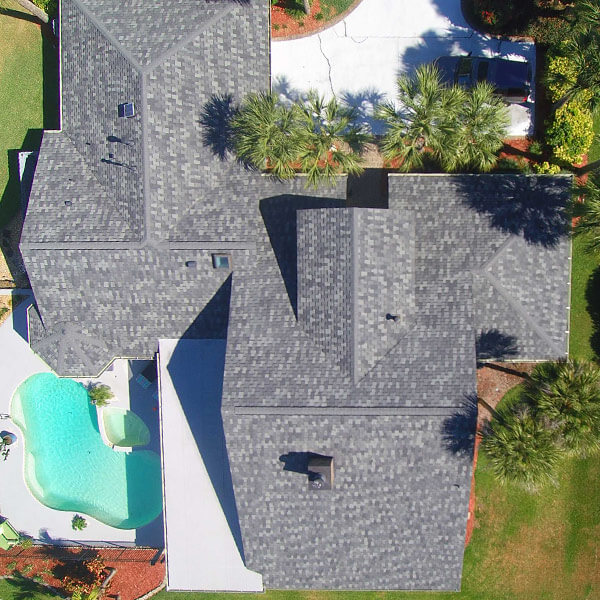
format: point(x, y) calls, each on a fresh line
point(524, 547)
point(23, 588)
point(28, 96)
point(585, 287)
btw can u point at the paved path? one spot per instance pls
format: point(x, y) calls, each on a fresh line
point(359, 58)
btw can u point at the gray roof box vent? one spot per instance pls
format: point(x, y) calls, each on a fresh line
point(320, 473)
point(127, 110)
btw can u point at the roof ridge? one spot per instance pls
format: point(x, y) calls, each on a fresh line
point(186, 39)
point(354, 224)
point(507, 242)
point(518, 308)
point(109, 36)
point(94, 176)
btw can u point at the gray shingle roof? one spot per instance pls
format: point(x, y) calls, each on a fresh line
point(356, 282)
point(464, 262)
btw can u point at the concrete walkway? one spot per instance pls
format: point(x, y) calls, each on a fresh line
point(359, 59)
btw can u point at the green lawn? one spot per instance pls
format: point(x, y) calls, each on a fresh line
point(585, 287)
point(22, 588)
point(28, 96)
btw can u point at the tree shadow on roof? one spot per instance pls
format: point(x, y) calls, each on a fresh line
point(529, 206)
point(495, 345)
point(279, 214)
point(458, 430)
point(215, 117)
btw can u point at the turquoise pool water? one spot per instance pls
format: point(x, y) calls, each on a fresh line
point(68, 466)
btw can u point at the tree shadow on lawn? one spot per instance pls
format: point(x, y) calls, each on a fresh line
point(26, 588)
point(592, 296)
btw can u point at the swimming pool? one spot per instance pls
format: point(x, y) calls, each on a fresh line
point(68, 466)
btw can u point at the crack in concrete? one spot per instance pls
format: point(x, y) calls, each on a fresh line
point(328, 66)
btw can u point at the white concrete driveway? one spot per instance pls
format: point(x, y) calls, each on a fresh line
point(359, 59)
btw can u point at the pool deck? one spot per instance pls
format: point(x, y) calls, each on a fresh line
point(16, 502)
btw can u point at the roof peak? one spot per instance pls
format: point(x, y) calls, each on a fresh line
point(355, 282)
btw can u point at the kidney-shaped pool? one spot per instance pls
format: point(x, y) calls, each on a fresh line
point(68, 466)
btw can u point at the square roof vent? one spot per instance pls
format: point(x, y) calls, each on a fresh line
point(221, 261)
point(126, 110)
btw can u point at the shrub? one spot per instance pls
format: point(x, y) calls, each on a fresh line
point(48, 6)
point(521, 449)
point(100, 394)
point(571, 132)
point(78, 523)
point(546, 168)
point(561, 75)
point(25, 541)
point(513, 165)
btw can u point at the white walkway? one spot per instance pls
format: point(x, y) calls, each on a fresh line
point(202, 553)
point(359, 59)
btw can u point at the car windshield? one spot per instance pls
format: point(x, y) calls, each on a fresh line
point(482, 70)
point(463, 71)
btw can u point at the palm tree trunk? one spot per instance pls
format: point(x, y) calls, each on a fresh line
point(306, 6)
point(34, 10)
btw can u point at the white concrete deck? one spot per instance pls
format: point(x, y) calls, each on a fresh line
point(360, 58)
point(202, 553)
point(16, 502)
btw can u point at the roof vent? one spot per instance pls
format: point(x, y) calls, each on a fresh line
point(221, 261)
point(126, 110)
point(320, 473)
point(190, 263)
point(68, 203)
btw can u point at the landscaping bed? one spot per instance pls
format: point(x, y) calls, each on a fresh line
point(135, 575)
point(288, 19)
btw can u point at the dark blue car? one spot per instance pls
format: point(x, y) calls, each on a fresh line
point(511, 79)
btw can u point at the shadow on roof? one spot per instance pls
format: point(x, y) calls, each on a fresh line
point(520, 205)
point(215, 118)
point(458, 430)
point(279, 215)
point(495, 345)
point(213, 320)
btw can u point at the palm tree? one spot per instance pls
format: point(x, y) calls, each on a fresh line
point(266, 134)
point(567, 395)
point(330, 141)
point(481, 125)
point(583, 79)
point(520, 448)
point(424, 121)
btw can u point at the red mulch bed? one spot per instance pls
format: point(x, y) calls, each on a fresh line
point(493, 381)
point(284, 26)
point(135, 575)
